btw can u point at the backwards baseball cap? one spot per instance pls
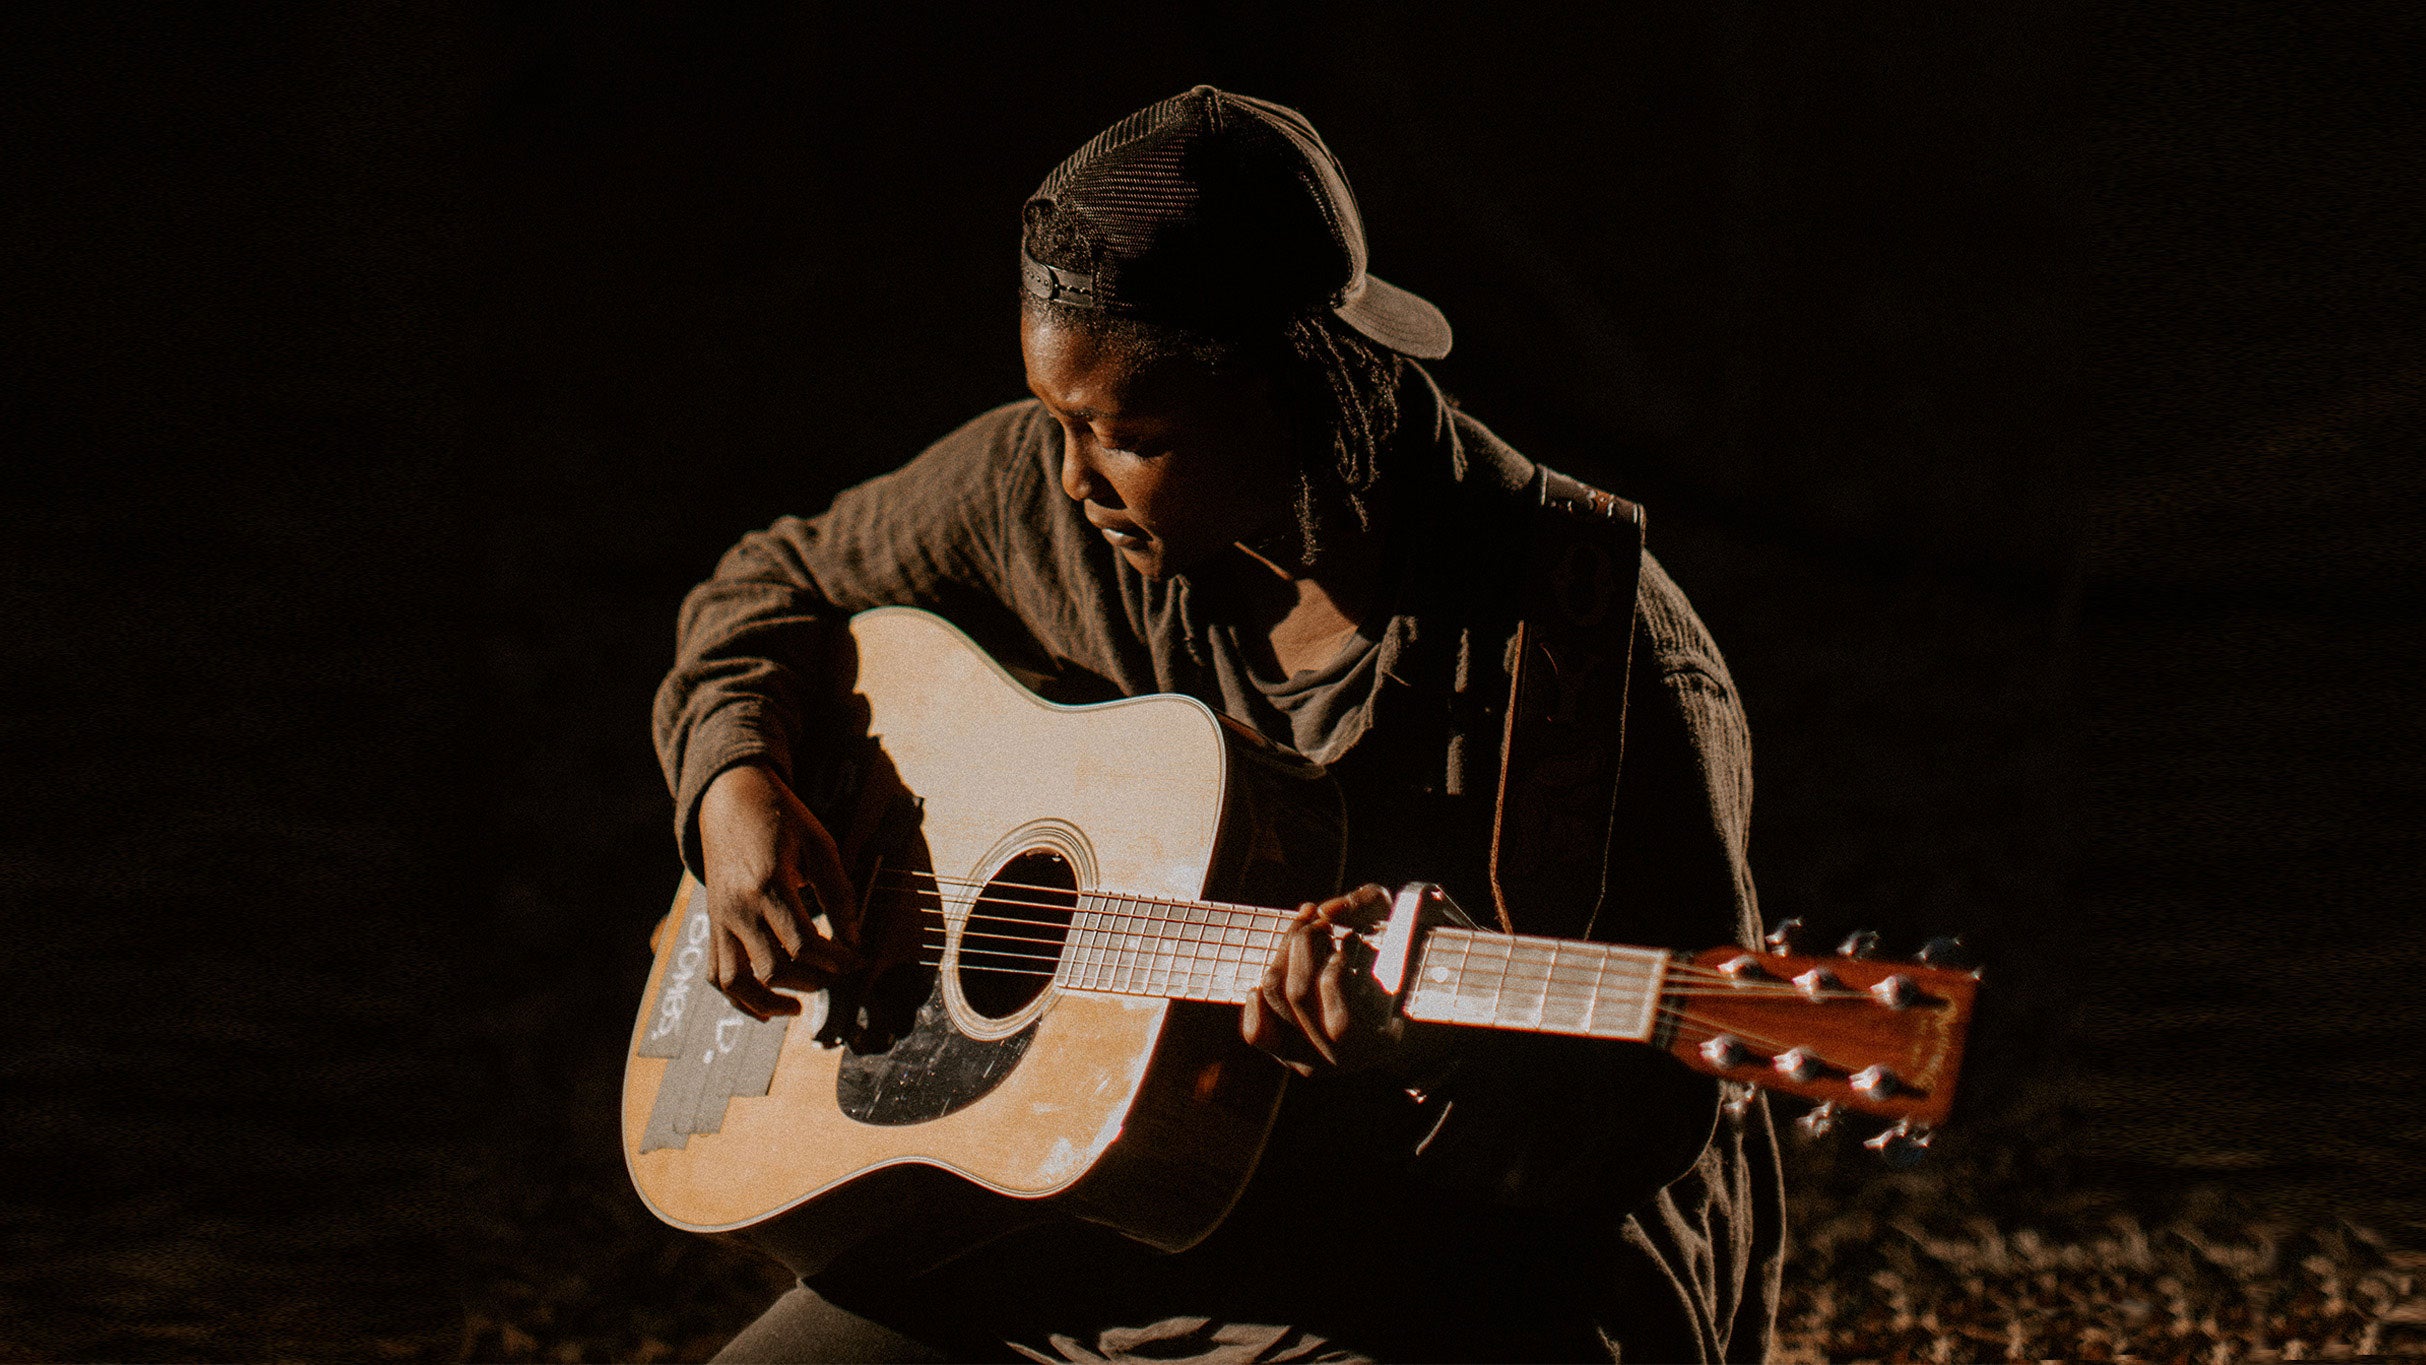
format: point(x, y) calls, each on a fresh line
point(1220, 211)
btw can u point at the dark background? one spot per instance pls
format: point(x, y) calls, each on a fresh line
point(2028, 396)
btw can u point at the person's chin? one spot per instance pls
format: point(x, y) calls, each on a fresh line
point(1146, 559)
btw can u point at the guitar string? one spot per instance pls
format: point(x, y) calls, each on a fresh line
point(1185, 978)
point(1189, 963)
point(1189, 951)
point(1731, 986)
point(964, 883)
point(1682, 1018)
point(1677, 966)
point(1556, 983)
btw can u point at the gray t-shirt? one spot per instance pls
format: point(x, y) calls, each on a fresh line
point(1317, 711)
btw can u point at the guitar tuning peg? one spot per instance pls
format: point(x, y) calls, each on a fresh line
point(1859, 943)
point(1901, 1145)
point(1898, 992)
point(1787, 937)
point(1875, 1082)
point(1798, 1064)
point(1739, 1099)
point(1820, 1122)
point(1725, 1050)
point(1948, 951)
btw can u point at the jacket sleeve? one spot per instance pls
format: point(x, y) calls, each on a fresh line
point(753, 677)
point(1541, 1121)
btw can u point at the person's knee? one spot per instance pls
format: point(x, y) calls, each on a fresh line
point(802, 1327)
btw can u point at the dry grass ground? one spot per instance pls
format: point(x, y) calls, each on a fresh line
point(605, 1284)
point(1862, 1290)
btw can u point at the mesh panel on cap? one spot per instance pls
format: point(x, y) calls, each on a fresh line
point(1120, 134)
point(1219, 210)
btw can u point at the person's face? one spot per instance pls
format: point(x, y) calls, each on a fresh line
point(1172, 464)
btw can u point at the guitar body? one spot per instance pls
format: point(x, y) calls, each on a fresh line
point(991, 1099)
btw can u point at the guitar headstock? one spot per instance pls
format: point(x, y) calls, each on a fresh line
point(1849, 1030)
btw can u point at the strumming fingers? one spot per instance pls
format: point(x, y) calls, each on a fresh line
point(729, 969)
point(759, 954)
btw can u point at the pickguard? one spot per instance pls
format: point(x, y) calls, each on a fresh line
point(932, 1070)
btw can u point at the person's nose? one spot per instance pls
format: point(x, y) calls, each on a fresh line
point(1081, 481)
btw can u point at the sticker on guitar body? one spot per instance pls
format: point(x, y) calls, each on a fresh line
point(716, 1054)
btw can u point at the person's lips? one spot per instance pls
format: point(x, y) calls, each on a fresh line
point(1125, 534)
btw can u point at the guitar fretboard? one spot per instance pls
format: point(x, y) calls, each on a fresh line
point(1193, 951)
point(1540, 985)
point(1218, 952)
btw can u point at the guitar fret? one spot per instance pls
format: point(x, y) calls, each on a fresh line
point(1435, 994)
point(1499, 983)
point(1072, 969)
point(1165, 960)
point(1562, 1007)
point(1132, 951)
point(1099, 944)
point(1203, 933)
point(1600, 977)
point(1107, 952)
point(1485, 957)
point(1524, 991)
point(1208, 951)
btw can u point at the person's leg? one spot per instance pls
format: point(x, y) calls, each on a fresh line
point(801, 1326)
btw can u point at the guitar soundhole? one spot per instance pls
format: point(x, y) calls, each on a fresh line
point(1015, 933)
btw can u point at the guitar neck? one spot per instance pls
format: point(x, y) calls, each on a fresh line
point(1217, 952)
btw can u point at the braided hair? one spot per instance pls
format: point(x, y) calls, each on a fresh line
point(1338, 388)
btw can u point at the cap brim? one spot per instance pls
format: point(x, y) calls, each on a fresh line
point(1404, 322)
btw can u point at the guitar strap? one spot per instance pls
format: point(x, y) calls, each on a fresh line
point(1565, 736)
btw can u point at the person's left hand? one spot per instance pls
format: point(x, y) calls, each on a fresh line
point(1318, 1008)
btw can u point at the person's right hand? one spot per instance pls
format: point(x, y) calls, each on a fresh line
point(761, 849)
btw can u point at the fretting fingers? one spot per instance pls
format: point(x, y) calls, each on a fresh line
point(1332, 995)
point(1313, 1008)
point(1263, 1028)
point(1359, 910)
point(1307, 948)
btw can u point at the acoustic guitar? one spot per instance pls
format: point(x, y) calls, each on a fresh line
point(1076, 929)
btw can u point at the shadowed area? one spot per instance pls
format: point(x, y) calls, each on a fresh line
point(2028, 399)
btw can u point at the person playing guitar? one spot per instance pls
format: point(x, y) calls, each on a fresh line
point(1235, 481)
